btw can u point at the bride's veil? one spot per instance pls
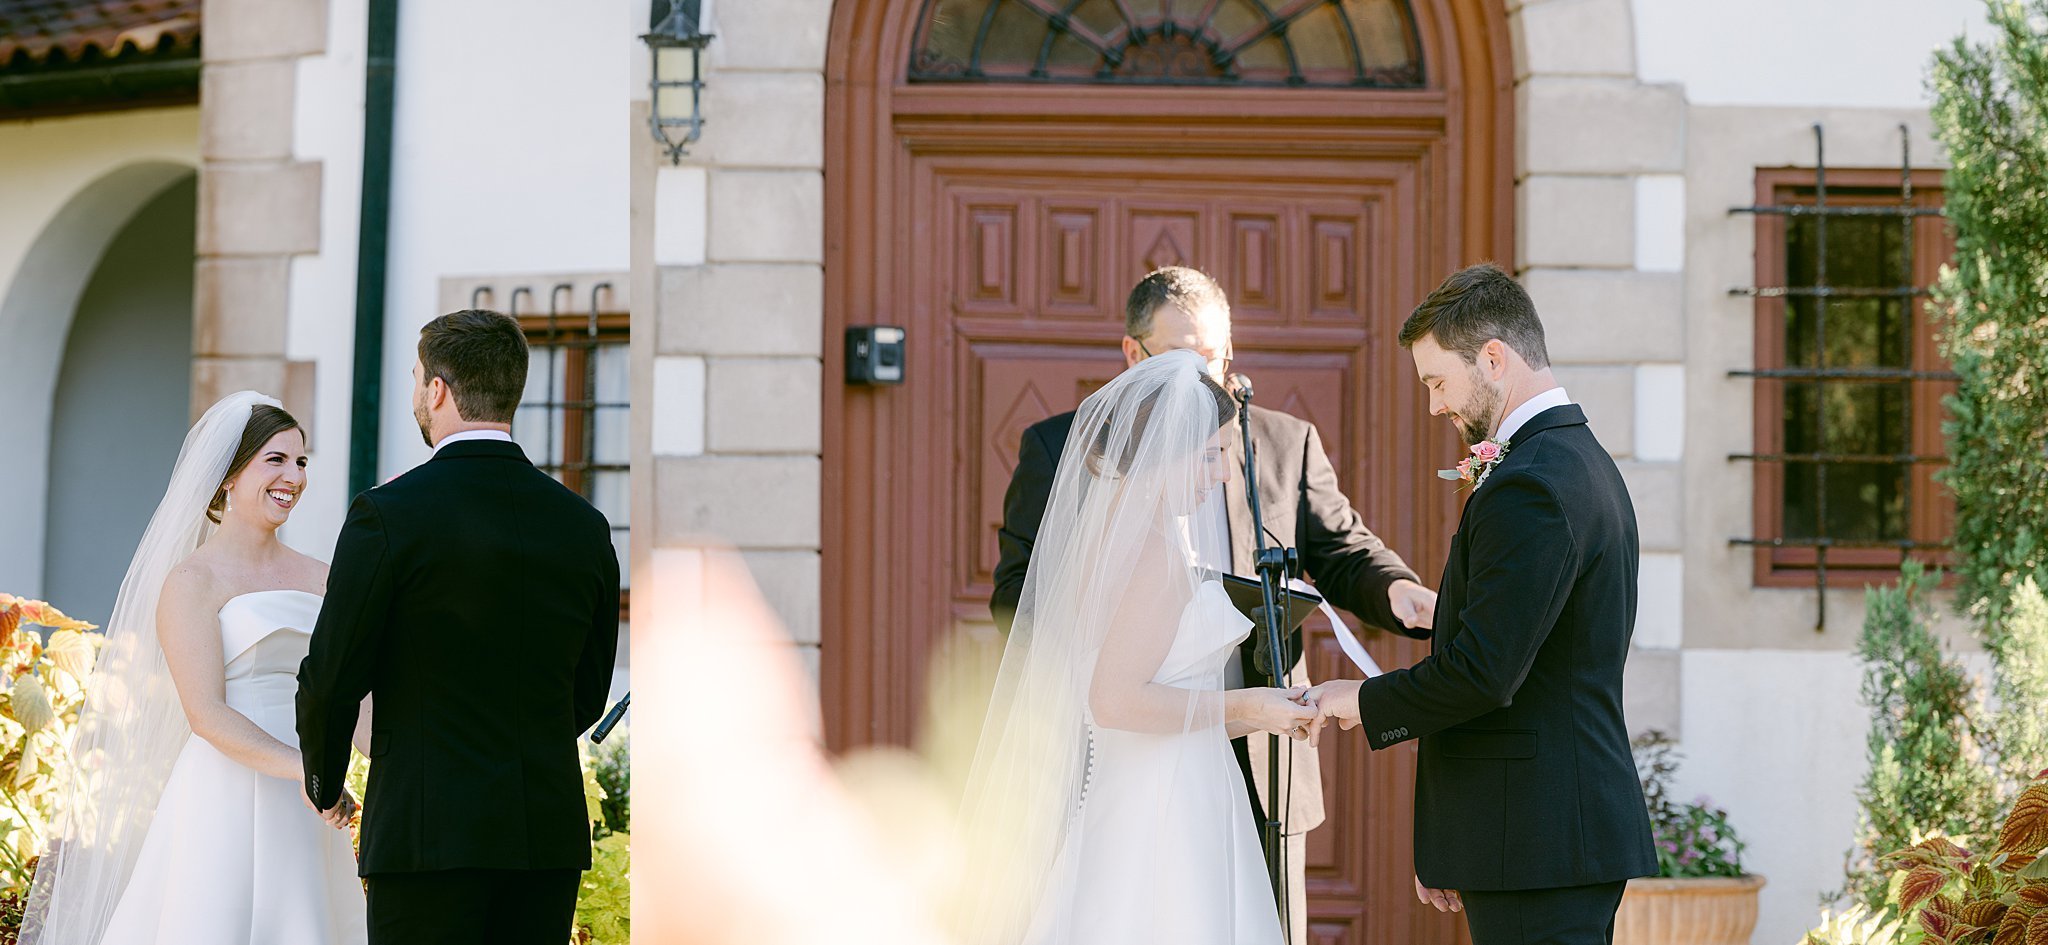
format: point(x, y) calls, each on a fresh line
point(131, 728)
point(1109, 579)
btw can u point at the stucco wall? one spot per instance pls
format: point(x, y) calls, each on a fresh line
point(69, 185)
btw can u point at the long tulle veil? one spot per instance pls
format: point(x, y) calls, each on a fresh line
point(1111, 567)
point(132, 728)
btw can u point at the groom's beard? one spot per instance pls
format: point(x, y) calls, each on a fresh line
point(419, 416)
point(1475, 420)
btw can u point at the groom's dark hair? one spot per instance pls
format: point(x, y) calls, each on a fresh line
point(481, 356)
point(1474, 306)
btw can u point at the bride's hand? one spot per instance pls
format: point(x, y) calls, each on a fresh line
point(342, 812)
point(1279, 711)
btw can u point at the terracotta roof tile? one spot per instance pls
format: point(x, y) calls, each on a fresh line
point(43, 31)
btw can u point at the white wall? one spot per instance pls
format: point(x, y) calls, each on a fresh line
point(68, 185)
point(508, 159)
point(1843, 53)
point(320, 326)
point(1768, 738)
point(123, 402)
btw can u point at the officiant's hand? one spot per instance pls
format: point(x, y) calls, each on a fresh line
point(1333, 699)
point(1280, 711)
point(1413, 604)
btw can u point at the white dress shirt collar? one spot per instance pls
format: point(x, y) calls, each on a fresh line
point(499, 435)
point(1554, 397)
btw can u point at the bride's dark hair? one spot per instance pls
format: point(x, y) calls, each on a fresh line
point(1141, 417)
point(265, 422)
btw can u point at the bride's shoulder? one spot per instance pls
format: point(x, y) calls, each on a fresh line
point(192, 581)
point(314, 571)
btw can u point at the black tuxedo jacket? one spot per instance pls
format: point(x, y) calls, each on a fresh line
point(477, 600)
point(1524, 779)
point(1299, 497)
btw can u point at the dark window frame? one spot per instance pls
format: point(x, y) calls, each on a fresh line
point(578, 336)
point(1931, 517)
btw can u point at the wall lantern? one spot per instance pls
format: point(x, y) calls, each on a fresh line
point(677, 42)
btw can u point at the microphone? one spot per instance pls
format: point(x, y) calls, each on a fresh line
point(611, 719)
point(1243, 385)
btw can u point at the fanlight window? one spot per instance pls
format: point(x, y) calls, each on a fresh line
point(1312, 43)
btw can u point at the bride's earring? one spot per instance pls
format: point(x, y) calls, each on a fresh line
point(229, 492)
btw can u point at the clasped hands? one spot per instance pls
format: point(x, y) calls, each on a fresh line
point(337, 816)
point(1301, 713)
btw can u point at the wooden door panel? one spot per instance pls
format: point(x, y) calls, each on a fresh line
point(1026, 317)
point(1013, 386)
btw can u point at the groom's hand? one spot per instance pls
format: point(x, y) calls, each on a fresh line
point(1333, 699)
point(1413, 604)
point(1445, 900)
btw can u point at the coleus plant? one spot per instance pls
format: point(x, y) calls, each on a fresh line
point(1955, 896)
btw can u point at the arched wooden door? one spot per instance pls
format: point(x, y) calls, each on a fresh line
point(1000, 172)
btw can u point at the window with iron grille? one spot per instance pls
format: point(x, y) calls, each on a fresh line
point(1303, 43)
point(573, 418)
point(1849, 382)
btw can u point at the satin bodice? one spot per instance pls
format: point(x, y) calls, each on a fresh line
point(264, 635)
point(1210, 630)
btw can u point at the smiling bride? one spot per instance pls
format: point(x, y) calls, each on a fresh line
point(185, 816)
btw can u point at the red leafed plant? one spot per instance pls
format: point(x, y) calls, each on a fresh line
point(1957, 897)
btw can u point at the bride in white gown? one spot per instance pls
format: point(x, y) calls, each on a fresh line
point(184, 820)
point(1105, 804)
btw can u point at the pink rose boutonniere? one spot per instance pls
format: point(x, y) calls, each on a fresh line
point(1476, 467)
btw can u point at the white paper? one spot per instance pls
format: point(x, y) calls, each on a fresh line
point(1346, 640)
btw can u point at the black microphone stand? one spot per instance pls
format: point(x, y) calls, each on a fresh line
point(1275, 565)
point(611, 719)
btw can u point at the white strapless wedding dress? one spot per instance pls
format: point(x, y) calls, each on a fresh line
point(1163, 848)
point(233, 856)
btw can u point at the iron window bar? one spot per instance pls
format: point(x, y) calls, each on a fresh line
point(1820, 374)
point(1844, 374)
point(567, 331)
point(1824, 292)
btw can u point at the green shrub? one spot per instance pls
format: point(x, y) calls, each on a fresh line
point(1691, 839)
point(1927, 772)
point(610, 762)
point(603, 906)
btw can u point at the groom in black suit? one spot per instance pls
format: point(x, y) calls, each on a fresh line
point(477, 600)
point(1179, 308)
point(1528, 814)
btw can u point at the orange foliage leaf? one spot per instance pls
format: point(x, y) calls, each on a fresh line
point(2035, 895)
point(2029, 820)
point(1946, 906)
point(42, 614)
point(1939, 925)
point(1918, 885)
point(1984, 913)
point(1933, 851)
point(2012, 930)
point(2037, 929)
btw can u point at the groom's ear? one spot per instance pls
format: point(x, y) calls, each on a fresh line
point(1495, 354)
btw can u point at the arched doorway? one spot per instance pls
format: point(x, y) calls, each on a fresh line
point(36, 312)
point(122, 402)
point(998, 172)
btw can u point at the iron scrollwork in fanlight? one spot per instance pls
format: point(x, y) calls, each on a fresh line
point(1297, 43)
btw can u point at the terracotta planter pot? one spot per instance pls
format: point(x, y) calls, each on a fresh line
point(1705, 911)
